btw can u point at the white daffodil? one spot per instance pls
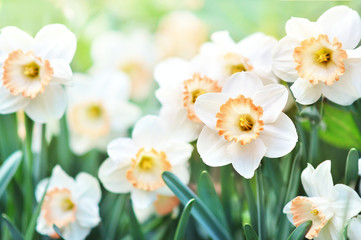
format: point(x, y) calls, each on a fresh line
point(33, 71)
point(132, 54)
point(252, 54)
point(70, 204)
point(319, 57)
point(244, 123)
point(99, 110)
point(354, 228)
point(180, 83)
point(136, 164)
point(329, 207)
point(180, 34)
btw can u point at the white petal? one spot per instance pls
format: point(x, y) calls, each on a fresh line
point(272, 98)
point(183, 129)
point(113, 177)
point(80, 144)
point(60, 179)
point(42, 226)
point(10, 103)
point(305, 92)
point(122, 150)
point(123, 115)
point(62, 71)
point(246, 158)
point(354, 228)
point(112, 85)
point(343, 23)
point(213, 148)
point(177, 152)
point(172, 71)
point(55, 41)
point(87, 187)
point(87, 213)
point(245, 83)
point(165, 191)
point(12, 39)
point(75, 232)
point(258, 47)
point(302, 28)
point(208, 105)
point(348, 89)
point(318, 182)
point(279, 137)
point(47, 106)
point(149, 131)
point(40, 189)
point(348, 202)
point(223, 39)
point(142, 199)
point(333, 230)
point(287, 210)
point(283, 64)
point(182, 172)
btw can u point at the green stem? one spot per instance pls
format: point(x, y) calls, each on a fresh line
point(227, 185)
point(260, 205)
point(313, 147)
point(28, 163)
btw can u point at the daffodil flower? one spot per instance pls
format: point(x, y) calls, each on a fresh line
point(136, 164)
point(354, 228)
point(319, 57)
point(98, 110)
point(328, 206)
point(70, 204)
point(34, 70)
point(244, 123)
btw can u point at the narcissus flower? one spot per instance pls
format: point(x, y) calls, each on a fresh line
point(252, 54)
point(70, 204)
point(329, 207)
point(136, 165)
point(244, 123)
point(132, 54)
point(354, 228)
point(180, 84)
point(99, 110)
point(319, 57)
point(34, 70)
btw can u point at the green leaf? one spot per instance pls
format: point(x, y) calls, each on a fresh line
point(339, 129)
point(250, 233)
point(208, 194)
point(15, 234)
point(300, 232)
point(8, 169)
point(251, 200)
point(200, 211)
point(57, 230)
point(179, 234)
point(352, 167)
point(135, 229)
point(31, 227)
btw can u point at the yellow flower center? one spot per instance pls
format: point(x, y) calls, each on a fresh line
point(31, 70)
point(323, 55)
point(95, 111)
point(246, 122)
point(239, 120)
point(315, 212)
point(67, 204)
point(195, 87)
point(146, 170)
point(146, 163)
point(238, 68)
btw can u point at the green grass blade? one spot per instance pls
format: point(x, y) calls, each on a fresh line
point(14, 232)
point(31, 227)
point(135, 229)
point(300, 232)
point(8, 169)
point(199, 211)
point(250, 233)
point(352, 167)
point(179, 234)
point(208, 194)
point(57, 230)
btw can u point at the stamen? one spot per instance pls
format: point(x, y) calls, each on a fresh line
point(67, 204)
point(246, 122)
point(196, 93)
point(238, 68)
point(31, 70)
point(315, 212)
point(323, 55)
point(95, 112)
point(146, 163)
